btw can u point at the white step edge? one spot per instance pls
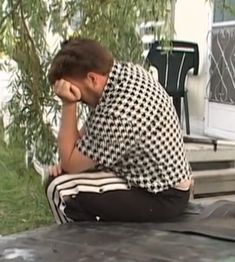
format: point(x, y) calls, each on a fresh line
point(215, 173)
point(206, 153)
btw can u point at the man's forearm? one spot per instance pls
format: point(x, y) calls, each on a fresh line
point(72, 160)
point(68, 133)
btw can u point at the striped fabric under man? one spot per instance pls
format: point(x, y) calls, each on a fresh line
point(72, 184)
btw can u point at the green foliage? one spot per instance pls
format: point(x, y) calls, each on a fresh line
point(114, 23)
point(24, 27)
point(23, 204)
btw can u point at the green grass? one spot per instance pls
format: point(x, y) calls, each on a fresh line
point(23, 204)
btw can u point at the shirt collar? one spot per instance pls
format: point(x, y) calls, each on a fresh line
point(114, 74)
point(113, 79)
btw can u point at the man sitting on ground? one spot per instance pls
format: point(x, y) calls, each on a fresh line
point(128, 162)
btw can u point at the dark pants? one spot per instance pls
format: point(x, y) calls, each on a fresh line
point(104, 197)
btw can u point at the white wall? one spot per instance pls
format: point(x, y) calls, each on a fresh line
point(193, 20)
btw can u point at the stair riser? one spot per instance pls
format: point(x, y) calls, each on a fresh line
point(213, 182)
point(196, 166)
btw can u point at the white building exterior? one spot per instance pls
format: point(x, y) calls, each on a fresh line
point(196, 21)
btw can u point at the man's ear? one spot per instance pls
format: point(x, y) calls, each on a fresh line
point(96, 81)
point(93, 78)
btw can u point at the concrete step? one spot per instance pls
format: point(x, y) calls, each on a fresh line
point(211, 200)
point(205, 153)
point(203, 157)
point(213, 182)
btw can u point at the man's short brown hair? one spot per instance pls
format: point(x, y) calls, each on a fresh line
point(77, 57)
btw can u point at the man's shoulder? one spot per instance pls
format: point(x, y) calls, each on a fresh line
point(132, 66)
point(133, 89)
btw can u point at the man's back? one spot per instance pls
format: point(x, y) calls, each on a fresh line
point(136, 132)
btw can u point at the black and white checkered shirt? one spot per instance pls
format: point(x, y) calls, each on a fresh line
point(134, 131)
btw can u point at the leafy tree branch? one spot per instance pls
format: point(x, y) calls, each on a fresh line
point(26, 26)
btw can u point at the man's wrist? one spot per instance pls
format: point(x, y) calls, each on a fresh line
point(69, 108)
point(68, 103)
